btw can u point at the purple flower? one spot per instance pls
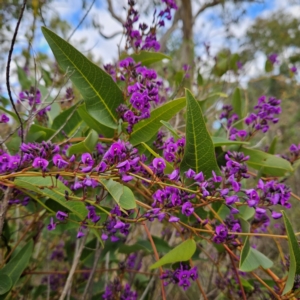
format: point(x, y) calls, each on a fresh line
point(187, 209)
point(173, 219)
point(293, 69)
point(175, 175)
point(52, 225)
point(221, 233)
point(40, 163)
point(159, 164)
point(101, 167)
point(60, 215)
point(231, 199)
point(123, 166)
point(80, 234)
point(190, 173)
point(59, 162)
point(216, 178)
point(87, 159)
point(4, 119)
point(273, 58)
point(276, 215)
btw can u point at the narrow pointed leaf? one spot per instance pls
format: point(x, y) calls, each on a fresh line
point(147, 58)
point(146, 129)
point(219, 141)
point(93, 123)
point(120, 193)
point(87, 145)
point(182, 252)
point(272, 148)
point(15, 267)
point(252, 259)
point(199, 153)
point(171, 129)
point(44, 187)
point(5, 284)
point(101, 94)
point(294, 252)
point(69, 119)
point(237, 104)
point(270, 164)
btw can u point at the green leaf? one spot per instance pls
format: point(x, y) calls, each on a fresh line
point(271, 164)
point(93, 123)
point(23, 78)
point(272, 148)
point(5, 284)
point(237, 104)
point(171, 129)
point(87, 145)
point(220, 141)
point(9, 112)
point(182, 252)
point(268, 66)
point(148, 58)
point(39, 133)
point(200, 80)
point(246, 212)
point(15, 267)
point(44, 187)
point(199, 153)
point(294, 252)
point(146, 129)
point(101, 94)
point(251, 259)
point(169, 167)
point(120, 193)
point(69, 125)
point(127, 200)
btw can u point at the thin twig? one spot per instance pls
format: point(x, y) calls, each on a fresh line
point(81, 21)
point(73, 268)
point(4, 207)
point(8, 67)
point(89, 284)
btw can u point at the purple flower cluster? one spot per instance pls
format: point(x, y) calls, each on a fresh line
point(114, 225)
point(293, 155)
point(267, 111)
point(173, 151)
point(181, 276)
point(114, 290)
point(221, 231)
point(33, 96)
point(144, 38)
point(142, 90)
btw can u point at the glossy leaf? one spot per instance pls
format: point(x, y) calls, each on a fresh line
point(199, 153)
point(93, 123)
point(44, 187)
point(219, 141)
point(252, 259)
point(237, 104)
point(169, 167)
point(271, 164)
point(39, 133)
point(294, 252)
point(272, 148)
point(5, 284)
point(146, 129)
point(87, 145)
point(120, 193)
point(171, 129)
point(69, 125)
point(182, 252)
point(17, 264)
point(147, 58)
point(101, 94)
